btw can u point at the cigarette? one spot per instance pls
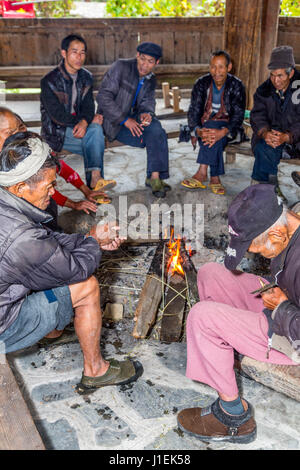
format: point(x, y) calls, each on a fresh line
point(262, 282)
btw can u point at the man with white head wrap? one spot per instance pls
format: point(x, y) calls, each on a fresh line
point(44, 275)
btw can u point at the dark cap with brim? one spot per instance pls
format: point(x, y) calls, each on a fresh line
point(150, 48)
point(250, 214)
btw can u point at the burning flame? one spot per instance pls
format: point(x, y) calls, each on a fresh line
point(174, 262)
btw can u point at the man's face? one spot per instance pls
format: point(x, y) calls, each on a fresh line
point(39, 195)
point(145, 64)
point(8, 126)
point(74, 56)
point(280, 79)
point(219, 69)
point(275, 243)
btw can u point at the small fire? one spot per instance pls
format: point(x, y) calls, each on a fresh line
point(174, 262)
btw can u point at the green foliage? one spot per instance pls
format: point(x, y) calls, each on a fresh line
point(126, 8)
point(172, 7)
point(290, 8)
point(211, 8)
point(58, 9)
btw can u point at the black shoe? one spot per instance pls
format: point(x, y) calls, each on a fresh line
point(296, 177)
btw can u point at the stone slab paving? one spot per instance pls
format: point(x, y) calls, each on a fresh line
point(142, 416)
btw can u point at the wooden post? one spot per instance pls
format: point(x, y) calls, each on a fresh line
point(166, 94)
point(176, 99)
point(250, 32)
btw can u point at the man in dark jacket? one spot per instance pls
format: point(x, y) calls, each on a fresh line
point(68, 111)
point(275, 117)
point(44, 275)
point(242, 312)
point(215, 116)
point(126, 99)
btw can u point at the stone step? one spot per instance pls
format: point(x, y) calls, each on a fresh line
point(282, 378)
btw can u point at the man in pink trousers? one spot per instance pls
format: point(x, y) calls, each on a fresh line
point(264, 325)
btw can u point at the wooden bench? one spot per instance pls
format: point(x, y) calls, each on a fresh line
point(245, 149)
point(17, 429)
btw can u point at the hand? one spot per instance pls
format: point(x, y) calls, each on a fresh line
point(91, 194)
point(211, 136)
point(106, 235)
point(80, 129)
point(135, 128)
point(276, 138)
point(145, 119)
point(98, 119)
point(273, 297)
point(85, 206)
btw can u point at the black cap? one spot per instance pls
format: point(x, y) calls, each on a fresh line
point(150, 48)
point(250, 214)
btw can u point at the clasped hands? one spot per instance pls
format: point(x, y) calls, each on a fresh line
point(209, 136)
point(276, 138)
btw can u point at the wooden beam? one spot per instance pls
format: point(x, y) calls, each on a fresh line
point(17, 429)
point(250, 33)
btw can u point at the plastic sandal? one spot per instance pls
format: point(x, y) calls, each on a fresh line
point(192, 183)
point(104, 184)
point(217, 188)
point(102, 200)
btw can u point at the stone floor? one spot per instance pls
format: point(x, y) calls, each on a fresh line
point(142, 416)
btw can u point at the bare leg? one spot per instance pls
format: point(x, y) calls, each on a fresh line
point(155, 175)
point(95, 177)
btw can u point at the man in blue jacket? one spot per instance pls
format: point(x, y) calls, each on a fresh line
point(215, 116)
point(44, 275)
point(126, 99)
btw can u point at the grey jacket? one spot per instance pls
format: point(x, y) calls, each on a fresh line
point(117, 92)
point(33, 258)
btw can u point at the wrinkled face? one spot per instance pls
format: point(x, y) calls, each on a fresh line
point(39, 195)
point(8, 126)
point(145, 64)
point(219, 69)
point(268, 248)
point(74, 56)
point(280, 79)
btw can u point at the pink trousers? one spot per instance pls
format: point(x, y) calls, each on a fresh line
point(227, 317)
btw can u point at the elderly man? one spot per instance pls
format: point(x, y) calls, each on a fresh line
point(215, 116)
point(126, 99)
point(11, 123)
point(275, 117)
point(68, 111)
point(236, 313)
point(45, 274)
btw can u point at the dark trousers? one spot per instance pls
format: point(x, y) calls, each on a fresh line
point(154, 138)
point(266, 161)
point(213, 156)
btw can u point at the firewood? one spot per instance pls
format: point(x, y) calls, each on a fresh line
point(171, 324)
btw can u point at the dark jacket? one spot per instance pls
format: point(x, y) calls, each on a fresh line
point(234, 100)
point(285, 269)
point(267, 112)
point(33, 258)
point(117, 92)
point(56, 102)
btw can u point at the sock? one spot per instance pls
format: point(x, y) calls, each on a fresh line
point(234, 407)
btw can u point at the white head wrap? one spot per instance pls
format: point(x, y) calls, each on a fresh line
point(29, 166)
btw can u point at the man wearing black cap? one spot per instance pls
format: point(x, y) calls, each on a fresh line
point(242, 312)
point(275, 117)
point(126, 99)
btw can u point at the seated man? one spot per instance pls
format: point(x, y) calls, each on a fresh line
point(11, 123)
point(215, 115)
point(68, 111)
point(126, 99)
point(275, 117)
point(233, 315)
point(45, 274)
